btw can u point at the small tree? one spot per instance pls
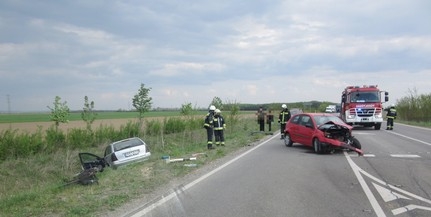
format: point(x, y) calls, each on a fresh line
point(88, 115)
point(217, 102)
point(60, 113)
point(142, 102)
point(186, 109)
point(233, 117)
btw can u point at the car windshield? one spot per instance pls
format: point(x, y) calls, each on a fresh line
point(127, 144)
point(322, 119)
point(365, 97)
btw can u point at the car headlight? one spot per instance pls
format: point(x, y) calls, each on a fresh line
point(379, 116)
point(351, 116)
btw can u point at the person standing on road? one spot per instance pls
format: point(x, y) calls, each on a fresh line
point(261, 119)
point(391, 115)
point(208, 125)
point(219, 126)
point(283, 118)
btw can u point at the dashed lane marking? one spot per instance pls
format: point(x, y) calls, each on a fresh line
point(405, 155)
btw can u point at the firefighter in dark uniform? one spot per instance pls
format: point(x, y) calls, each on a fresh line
point(283, 118)
point(391, 115)
point(219, 126)
point(208, 125)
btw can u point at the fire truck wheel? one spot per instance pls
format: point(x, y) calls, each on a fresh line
point(356, 143)
point(377, 126)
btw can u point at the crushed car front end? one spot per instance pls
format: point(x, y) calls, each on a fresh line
point(338, 136)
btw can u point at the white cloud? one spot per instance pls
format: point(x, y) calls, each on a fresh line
point(259, 52)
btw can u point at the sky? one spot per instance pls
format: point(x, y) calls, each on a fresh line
point(189, 51)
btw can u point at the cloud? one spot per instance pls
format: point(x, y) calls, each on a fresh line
point(250, 52)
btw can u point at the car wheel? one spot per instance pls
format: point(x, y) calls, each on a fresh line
point(287, 140)
point(356, 143)
point(317, 146)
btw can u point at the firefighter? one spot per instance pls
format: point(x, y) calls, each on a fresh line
point(208, 125)
point(219, 126)
point(283, 118)
point(391, 115)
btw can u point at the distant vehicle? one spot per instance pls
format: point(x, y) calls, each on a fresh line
point(117, 154)
point(331, 109)
point(362, 105)
point(324, 132)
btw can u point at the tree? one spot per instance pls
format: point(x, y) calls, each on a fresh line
point(233, 118)
point(142, 101)
point(186, 109)
point(60, 113)
point(217, 102)
point(88, 114)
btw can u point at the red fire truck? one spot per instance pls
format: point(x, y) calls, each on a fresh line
point(362, 105)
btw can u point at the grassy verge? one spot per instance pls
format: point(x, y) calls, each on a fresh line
point(34, 185)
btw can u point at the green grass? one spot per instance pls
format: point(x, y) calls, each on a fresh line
point(74, 116)
point(33, 186)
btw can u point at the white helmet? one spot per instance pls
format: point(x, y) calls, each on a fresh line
point(284, 106)
point(393, 105)
point(212, 108)
point(217, 111)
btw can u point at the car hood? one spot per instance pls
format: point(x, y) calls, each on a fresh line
point(330, 125)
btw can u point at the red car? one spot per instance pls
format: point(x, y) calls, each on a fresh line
point(323, 132)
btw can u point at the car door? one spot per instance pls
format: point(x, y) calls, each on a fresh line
point(306, 130)
point(292, 128)
point(89, 160)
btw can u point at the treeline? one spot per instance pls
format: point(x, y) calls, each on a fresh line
point(310, 106)
point(414, 107)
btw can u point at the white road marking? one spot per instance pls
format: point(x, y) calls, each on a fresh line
point(388, 195)
point(400, 192)
point(356, 170)
point(407, 137)
point(362, 133)
point(141, 211)
point(408, 208)
point(405, 155)
point(369, 155)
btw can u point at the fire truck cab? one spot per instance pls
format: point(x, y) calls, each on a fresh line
point(362, 105)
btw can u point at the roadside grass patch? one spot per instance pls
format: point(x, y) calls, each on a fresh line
point(33, 185)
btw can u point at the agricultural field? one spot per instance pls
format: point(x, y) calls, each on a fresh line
point(31, 122)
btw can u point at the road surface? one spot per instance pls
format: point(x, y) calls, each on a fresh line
point(393, 178)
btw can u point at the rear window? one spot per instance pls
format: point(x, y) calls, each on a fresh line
point(127, 144)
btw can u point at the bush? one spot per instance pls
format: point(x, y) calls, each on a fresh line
point(174, 125)
point(80, 138)
point(54, 139)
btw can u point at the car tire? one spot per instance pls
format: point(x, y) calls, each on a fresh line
point(356, 143)
point(317, 146)
point(287, 140)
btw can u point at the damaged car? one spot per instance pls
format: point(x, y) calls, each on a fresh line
point(117, 154)
point(321, 131)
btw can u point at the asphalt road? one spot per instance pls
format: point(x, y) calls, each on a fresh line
point(393, 178)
